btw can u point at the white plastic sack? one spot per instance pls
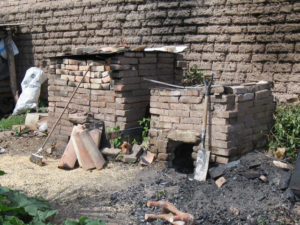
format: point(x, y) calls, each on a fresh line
point(31, 88)
point(3, 50)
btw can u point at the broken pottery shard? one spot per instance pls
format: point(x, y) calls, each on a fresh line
point(111, 153)
point(281, 165)
point(218, 171)
point(92, 149)
point(220, 182)
point(136, 152)
point(285, 180)
point(147, 158)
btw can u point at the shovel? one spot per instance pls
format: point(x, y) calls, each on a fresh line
point(203, 155)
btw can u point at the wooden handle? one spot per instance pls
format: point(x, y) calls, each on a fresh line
point(65, 107)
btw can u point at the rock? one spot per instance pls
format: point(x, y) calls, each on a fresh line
point(215, 172)
point(285, 180)
point(280, 153)
point(281, 165)
point(234, 211)
point(184, 136)
point(254, 165)
point(263, 178)
point(111, 153)
point(133, 157)
point(220, 182)
point(251, 174)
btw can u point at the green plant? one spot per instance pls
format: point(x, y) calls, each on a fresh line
point(286, 129)
point(193, 76)
point(161, 194)
point(116, 137)
point(145, 123)
point(134, 142)
point(7, 123)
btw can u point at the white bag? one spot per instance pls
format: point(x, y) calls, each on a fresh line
point(31, 88)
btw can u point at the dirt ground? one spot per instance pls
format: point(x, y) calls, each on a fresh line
point(118, 194)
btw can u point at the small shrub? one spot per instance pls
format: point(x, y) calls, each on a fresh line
point(192, 76)
point(145, 123)
point(7, 123)
point(286, 129)
point(116, 141)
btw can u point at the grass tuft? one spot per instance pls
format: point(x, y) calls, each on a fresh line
point(7, 123)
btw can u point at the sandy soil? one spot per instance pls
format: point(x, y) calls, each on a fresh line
point(118, 194)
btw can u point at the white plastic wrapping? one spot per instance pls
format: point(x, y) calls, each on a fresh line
point(31, 88)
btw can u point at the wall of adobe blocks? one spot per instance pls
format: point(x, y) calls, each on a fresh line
point(238, 121)
point(113, 90)
point(238, 40)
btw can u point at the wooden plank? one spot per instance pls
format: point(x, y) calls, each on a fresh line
point(11, 64)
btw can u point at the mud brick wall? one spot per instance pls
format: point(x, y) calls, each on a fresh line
point(113, 90)
point(238, 40)
point(239, 118)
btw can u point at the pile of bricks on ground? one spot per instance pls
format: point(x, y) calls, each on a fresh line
point(113, 91)
point(239, 118)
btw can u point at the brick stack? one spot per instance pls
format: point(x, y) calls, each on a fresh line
point(239, 118)
point(113, 90)
point(238, 40)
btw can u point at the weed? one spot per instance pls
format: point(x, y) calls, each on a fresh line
point(162, 194)
point(193, 76)
point(145, 123)
point(7, 123)
point(116, 141)
point(134, 142)
point(286, 129)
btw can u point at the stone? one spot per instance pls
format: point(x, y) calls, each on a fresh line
point(220, 182)
point(263, 178)
point(285, 180)
point(234, 211)
point(216, 172)
point(185, 136)
point(280, 153)
point(111, 153)
point(137, 150)
point(295, 181)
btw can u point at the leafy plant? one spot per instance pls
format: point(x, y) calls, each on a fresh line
point(7, 123)
point(134, 142)
point(116, 139)
point(18, 209)
point(286, 129)
point(193, 76)
point(145, 123)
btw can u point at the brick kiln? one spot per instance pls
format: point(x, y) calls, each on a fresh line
point(239, 118)
point(114, 90)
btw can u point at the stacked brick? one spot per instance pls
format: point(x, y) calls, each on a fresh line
point(239, 119)
point(113, 91)
point(242, 41)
